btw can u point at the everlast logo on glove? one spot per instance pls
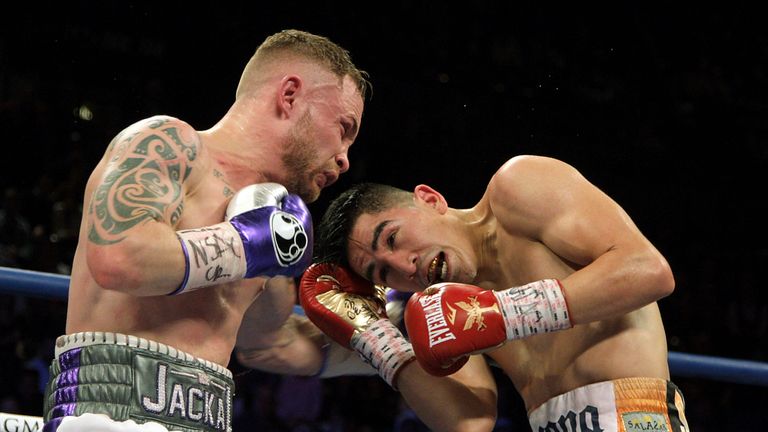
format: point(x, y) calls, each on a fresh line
point(474, 313)
point(288, 237)
point(433, 314)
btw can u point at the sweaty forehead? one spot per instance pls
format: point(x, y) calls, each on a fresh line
point(359, 250)
point(350, 87)
point(353, 100)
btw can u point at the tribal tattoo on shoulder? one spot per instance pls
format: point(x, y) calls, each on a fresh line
point(144, 181)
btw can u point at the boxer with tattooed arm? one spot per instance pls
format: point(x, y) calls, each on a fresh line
point(186, 233)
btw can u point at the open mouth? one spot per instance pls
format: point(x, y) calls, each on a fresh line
point(438, 269)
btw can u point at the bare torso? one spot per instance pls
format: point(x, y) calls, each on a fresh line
point(203, 322)
point(545, 366)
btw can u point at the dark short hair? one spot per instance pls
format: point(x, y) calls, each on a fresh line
point(332, 234)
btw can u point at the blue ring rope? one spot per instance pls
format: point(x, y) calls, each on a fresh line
point(53, 286)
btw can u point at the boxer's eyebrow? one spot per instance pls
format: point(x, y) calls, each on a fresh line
point(377, 233)
point(374, 246)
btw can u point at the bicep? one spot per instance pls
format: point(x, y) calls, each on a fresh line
point(590, 225)
point(141, 178)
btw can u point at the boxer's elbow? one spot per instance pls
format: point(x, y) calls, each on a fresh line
point(658, 276)
point(114, 267)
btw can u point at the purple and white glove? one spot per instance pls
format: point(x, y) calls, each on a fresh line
point(276, 230)
point(268, 232)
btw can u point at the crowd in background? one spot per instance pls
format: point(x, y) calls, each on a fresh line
point(665, 112)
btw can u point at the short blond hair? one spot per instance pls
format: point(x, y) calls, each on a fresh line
point(317, 49)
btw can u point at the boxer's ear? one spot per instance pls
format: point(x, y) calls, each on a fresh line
point(287, 94)
point(430, 197)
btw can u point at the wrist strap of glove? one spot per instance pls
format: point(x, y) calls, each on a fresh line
point(213, 255)
point(538, 307)
point(383, 347)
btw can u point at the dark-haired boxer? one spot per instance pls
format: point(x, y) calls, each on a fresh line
point(546, 275)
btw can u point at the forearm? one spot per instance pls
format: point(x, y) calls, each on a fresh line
point(297, 348)
point(148, 262)
point(447, 404)
point(617, 283)
point(150, 257)
point(272, 339)
point(270, 311)
point(295, 356)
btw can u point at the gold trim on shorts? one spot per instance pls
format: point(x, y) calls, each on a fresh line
point(637, 404)
point(640, 402)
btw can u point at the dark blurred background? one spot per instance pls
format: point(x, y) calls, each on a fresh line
point(663, 107)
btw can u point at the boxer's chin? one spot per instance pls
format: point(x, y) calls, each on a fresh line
point(312, 192)
point(308, 190)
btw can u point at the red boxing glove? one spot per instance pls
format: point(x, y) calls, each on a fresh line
point(339, 301)
point(351, 310)
point(450, 321)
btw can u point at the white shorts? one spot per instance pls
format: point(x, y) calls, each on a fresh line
point(101, 423)
point(622, 405)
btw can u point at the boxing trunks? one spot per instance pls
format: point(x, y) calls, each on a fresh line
point(114, 382)
point(622, 405)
